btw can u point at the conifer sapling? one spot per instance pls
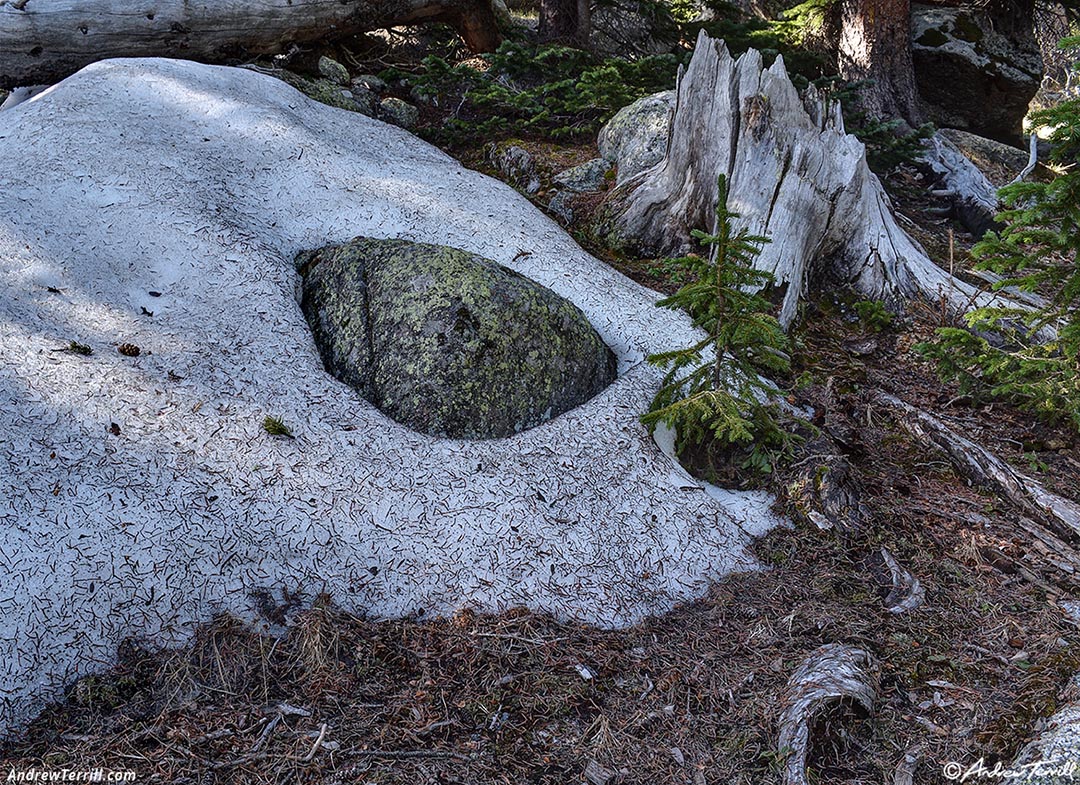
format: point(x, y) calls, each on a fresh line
point(712, 389)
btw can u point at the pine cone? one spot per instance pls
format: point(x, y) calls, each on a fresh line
point(129, 350)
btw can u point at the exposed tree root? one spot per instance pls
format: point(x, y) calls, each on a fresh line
point(831, 673)
point(984, 468)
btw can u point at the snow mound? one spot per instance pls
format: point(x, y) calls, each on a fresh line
point(139, 495)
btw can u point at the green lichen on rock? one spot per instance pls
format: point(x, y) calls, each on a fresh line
point(322, 90)
point(447, 342)
point(333, 70)
point(400, 113)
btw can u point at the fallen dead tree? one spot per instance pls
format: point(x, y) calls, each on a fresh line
point(973, 196)
point(985, 469)
point(43, 42)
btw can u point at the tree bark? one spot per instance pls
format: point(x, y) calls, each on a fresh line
point(875, 44)
point(565, 21)
point(47, 40)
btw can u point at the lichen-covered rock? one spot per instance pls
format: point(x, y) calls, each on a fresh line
point(589, 176)
point(447, 342)
point(322, 90)
point(366, 101)
point(972, 72)
point(400, 113)
point(369, 82)
point(333, 70)
point(515, 164)
point(561, 205)
point(636, 137)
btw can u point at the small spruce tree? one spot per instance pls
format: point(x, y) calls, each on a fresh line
point(712, 389)
point(1037, 250)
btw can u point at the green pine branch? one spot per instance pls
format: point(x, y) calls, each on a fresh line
point(713, 389)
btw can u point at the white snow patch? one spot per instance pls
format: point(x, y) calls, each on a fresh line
point(201, 183)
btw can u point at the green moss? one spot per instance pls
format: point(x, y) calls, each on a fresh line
point(322, 90)
point(95, 692)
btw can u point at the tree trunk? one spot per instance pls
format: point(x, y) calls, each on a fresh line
point(45, 41)
point(565, 21)
point(794, 175)
point(875, 44)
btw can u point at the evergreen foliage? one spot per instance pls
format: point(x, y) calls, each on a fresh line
point(276, 427)
point(712, 389)
point(1035, 251)
point(563, 93)
point(537, 89)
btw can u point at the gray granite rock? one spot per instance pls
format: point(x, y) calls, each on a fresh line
point(447, 342)
point(636, 137)
point(589, 176)
point(398, 112)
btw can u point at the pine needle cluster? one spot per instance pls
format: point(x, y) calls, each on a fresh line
point(714, 388)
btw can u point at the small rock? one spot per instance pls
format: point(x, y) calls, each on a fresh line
point(369, 82)
point(516, 165)
point(333, 70)
point(589, 176)
point(677, 756)
point(562, 205)
point(365, 100)
point(398, 112)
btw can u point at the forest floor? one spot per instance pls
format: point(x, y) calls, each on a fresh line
point(690, 697)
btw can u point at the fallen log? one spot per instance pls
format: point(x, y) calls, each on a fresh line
point(46, 41)
point(974, 197)
point(983, 468)
point(830, 674)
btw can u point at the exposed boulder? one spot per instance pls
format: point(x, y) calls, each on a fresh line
point(973, 73)
point(589, 176)
point(400, 113)
point(636, 137)
point(447, 342)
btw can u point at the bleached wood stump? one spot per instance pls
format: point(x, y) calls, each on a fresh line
point(794, 175)
point(43, 41)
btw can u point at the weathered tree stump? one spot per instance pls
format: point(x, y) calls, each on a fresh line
point(44, 41)
point(794, 175)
